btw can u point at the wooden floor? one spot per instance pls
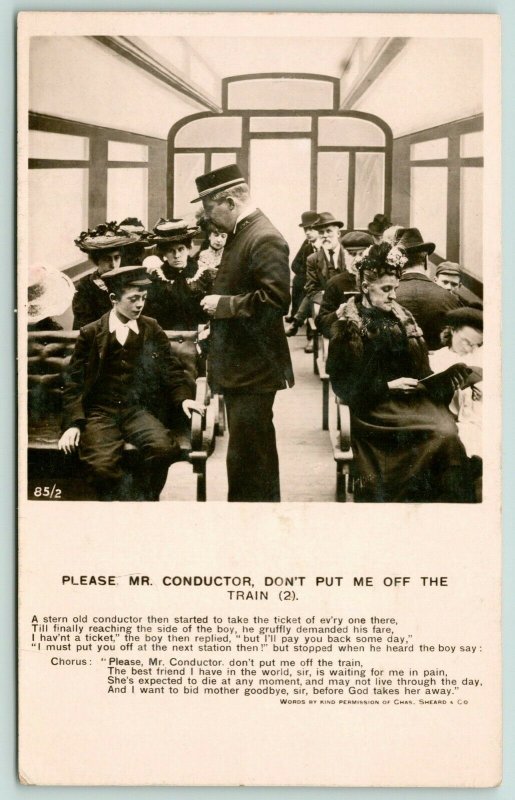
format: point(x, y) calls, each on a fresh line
point(305, 453)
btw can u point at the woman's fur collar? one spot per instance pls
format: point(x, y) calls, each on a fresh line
point(351, 315)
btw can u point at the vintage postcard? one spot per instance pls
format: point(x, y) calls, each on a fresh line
point(259, 260)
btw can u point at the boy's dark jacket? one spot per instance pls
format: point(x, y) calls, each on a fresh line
point(159, 376)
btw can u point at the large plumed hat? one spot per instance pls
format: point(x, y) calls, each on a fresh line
point(104, 238)
point(50, 293)
point(459, 317)
point(168, 231)
point(410, 239)
point(217, 180)
point(325, 218)
point(133, 225)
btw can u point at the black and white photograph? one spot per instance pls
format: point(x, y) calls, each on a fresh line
point(255, 268)
point(259, 467)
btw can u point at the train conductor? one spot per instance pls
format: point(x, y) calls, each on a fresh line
point(249, 359)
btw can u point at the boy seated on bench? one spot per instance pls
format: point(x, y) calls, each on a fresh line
point(125, 385)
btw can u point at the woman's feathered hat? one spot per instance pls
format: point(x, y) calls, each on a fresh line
point(168, 231)
point(104, 238)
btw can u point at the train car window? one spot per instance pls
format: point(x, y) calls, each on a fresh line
point(127, 151)
point(222, 159)
point(349, 131)
point(369, 187)
point(280, 124)
point(280, 93)
point(63, 189)
point(285, 165)
point(218, 131)
point(186, 168)
point(471, 145)
point(434, 148)
point(471, 220)
point(333, 181)
point(45, 144)
point(429, 205)
point(127, 194)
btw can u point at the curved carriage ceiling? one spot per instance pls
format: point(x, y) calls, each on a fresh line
point(183, 75)
point(373, 72)
point(197, 67)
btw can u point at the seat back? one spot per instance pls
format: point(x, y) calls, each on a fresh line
point(184, 346)
point(48, 355)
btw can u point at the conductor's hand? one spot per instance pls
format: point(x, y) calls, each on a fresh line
point(192, 405)
point(403, 384)
point(69, 441)
point(459, 374)
point(210, 272)
point(209, 303)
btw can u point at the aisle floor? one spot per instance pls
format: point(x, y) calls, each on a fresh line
point(305, 453)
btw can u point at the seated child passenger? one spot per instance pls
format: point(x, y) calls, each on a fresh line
point(124, 385)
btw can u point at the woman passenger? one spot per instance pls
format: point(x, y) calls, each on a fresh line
point(211, 252)
point(404, 438)
point(463, 340)
point(105, 245)
point(174, 297)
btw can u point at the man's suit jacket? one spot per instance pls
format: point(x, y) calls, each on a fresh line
point(159, 377)
point(319, 271)
point(299, 265)
point(248, 349)
point(428, 303)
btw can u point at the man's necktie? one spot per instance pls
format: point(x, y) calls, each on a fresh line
point(331, 259)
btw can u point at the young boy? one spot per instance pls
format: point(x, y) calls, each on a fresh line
point(124, 385)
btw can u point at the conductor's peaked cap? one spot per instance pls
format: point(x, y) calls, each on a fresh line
point(217, 180)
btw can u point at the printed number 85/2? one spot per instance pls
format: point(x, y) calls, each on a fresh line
point(50, 492)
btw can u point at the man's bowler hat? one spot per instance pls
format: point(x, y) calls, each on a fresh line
point(217, 180)
point(410, 239)
point(307, 219)
point(325, 219)
point(378, 225)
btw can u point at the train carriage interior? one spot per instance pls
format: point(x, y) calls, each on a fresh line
point(120, 126)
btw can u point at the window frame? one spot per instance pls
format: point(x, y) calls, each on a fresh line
point(98, 164)
point(454, 163)
point(242, 153)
